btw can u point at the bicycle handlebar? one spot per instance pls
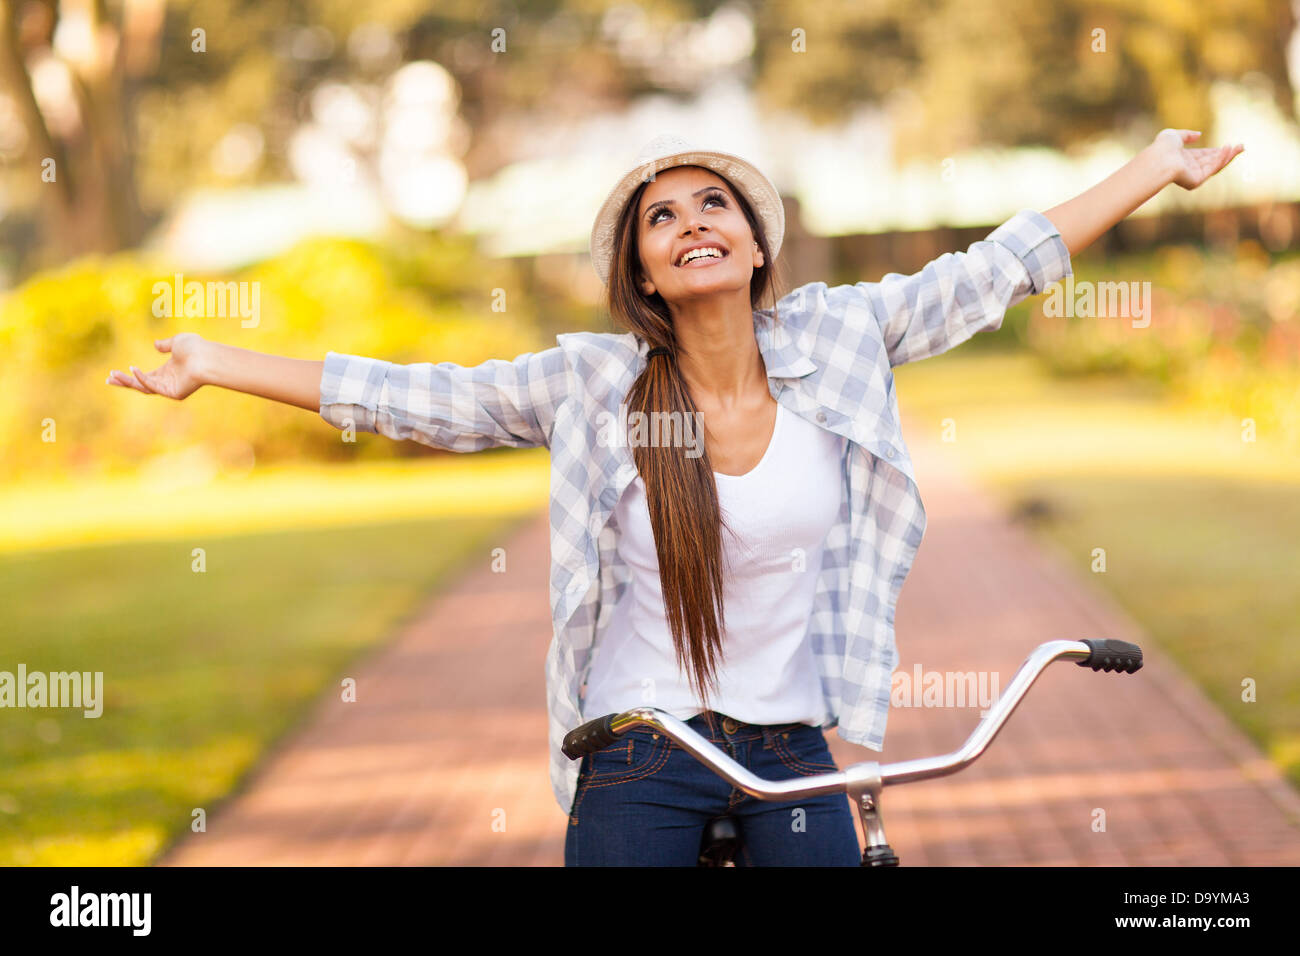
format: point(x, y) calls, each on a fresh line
point(1111, 655)
point(1108, 655)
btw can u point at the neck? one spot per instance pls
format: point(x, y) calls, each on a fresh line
point(717, 350)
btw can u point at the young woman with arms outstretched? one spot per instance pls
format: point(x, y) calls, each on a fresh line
point(749, 590)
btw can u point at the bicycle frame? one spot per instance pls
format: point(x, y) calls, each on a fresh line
point(864, 781)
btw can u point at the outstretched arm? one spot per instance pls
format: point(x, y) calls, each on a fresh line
point(196, 361)
point(442, 404)
point(962, 293)
point(1085, 217)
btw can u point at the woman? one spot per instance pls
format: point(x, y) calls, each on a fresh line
point(743, 576)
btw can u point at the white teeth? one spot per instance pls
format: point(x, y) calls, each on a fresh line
point(698, 253)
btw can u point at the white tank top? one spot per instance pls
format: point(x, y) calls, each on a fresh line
point(781, 511)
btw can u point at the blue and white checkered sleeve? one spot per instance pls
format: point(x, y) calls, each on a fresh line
point(962, 293)
point(455, 407)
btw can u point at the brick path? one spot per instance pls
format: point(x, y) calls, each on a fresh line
point(449, 734)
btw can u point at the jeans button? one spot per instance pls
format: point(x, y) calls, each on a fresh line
point(729, 726)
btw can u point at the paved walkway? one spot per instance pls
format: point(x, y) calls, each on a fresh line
point(447, 740)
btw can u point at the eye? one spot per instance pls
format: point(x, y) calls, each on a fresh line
point(710, 197)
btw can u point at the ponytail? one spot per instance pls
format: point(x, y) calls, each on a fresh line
point(681, 492)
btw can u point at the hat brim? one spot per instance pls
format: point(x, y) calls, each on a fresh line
point(744, 175)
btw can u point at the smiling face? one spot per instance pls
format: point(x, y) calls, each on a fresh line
point(685, 208)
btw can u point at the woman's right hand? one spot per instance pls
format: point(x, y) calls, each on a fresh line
point(179, 377)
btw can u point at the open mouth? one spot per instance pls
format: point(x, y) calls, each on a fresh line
point(704, 260)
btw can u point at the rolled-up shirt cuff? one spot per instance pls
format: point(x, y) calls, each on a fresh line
point(1037, 243)
point(352, 389)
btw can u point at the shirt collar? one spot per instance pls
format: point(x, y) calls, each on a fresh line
point(782, 355)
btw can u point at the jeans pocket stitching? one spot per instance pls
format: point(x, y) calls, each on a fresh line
point(798, 764)
point(654, 763)
point(585, 780)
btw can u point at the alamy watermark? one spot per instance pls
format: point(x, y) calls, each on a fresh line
point(651, 430)
point(76, 908)
point(82, 689)
point(1090, 300)
point(208, 300)
point(943, 688)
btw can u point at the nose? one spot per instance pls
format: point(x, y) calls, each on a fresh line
point(697, 224)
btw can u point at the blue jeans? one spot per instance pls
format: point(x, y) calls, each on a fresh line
point(644, 801)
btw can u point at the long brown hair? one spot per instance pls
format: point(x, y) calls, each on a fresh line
point(681, 493)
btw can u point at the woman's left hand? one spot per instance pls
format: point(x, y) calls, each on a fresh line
point(1190, 167)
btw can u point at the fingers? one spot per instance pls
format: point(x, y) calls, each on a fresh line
point(163, 345)
point(1210, 161)
point(1226, 155)
point(1215, 152)
point(140, 375)
point(122, 380)
point(1206, 162)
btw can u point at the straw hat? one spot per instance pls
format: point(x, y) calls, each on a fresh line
point(664, 152)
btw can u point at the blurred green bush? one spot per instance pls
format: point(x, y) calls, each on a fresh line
point(426, 298)
point(1223, 332)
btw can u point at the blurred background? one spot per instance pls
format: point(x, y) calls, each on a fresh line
point(417, 182)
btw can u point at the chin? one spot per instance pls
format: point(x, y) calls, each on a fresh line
point(723, 286)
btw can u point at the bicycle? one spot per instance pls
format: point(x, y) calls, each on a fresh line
point(862, 782)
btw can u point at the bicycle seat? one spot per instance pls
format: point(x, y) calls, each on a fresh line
point(721, 841)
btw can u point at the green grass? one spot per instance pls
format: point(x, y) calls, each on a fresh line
point(1201, 530)
point(202, 671)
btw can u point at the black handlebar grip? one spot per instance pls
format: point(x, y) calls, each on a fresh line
point(1112, 655)
point(592, 736)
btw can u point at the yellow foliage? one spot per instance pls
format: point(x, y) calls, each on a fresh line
point(428, 298)
point(1222, 332)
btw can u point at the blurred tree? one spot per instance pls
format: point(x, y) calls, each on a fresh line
point(958, 73)
point(115, 109)
point(66, 68)
point(136, 102)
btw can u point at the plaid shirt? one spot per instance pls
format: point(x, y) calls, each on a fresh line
point(829, 360)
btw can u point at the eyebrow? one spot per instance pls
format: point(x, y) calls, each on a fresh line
point(673, 202)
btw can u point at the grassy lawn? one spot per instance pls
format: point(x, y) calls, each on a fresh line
point(1201, 530)
point(305, 571)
